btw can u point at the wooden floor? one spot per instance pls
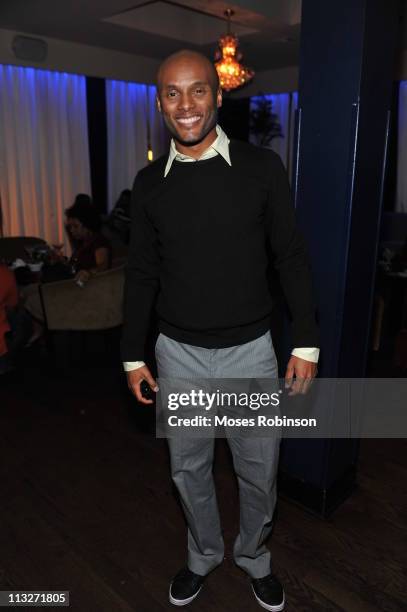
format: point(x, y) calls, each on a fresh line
point(87, 505)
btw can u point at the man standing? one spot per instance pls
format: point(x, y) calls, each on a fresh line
point(202, 220)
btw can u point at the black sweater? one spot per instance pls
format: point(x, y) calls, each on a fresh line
point(199, 252)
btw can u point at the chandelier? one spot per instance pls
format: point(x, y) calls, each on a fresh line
point(231, 73)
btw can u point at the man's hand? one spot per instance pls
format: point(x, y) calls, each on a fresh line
point(134, 380)
point(304, 372)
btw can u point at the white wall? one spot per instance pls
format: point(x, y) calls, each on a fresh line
point(106, 63)
point(282, 80)
point(84, 59)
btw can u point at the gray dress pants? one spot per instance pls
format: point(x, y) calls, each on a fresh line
point(255, 459)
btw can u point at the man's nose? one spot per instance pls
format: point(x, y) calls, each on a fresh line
point(186, 102)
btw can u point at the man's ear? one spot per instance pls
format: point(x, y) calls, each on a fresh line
point(219, 97)
point(157, 99)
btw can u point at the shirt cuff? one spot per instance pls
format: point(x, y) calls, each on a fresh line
point(132, 365)
point(307, 353)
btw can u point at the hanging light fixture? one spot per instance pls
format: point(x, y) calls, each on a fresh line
point(231, 73)
point(150, 154)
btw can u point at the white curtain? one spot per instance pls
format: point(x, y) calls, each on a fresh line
point(401, 189)
point(44, 157)
point(131, 108)
point(283, 105)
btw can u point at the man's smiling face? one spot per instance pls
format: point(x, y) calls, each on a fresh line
point(188, 97)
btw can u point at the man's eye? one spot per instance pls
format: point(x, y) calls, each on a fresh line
point(199, 90)
point(172, 94)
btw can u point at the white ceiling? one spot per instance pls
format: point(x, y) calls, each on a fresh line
point(174, 21)
point(268, 30)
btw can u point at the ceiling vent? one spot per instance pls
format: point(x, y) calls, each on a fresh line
point(29, 49)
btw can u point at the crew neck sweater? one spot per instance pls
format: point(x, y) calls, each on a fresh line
point(202, 241)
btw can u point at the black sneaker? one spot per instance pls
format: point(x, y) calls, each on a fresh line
point(185, 587)
point(269, 593)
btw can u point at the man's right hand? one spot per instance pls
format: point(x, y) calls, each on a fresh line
point(134, 380)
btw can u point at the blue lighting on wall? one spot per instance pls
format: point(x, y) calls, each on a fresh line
point(54, 85)
point(134, 92)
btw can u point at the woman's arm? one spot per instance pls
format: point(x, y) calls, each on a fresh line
point(102, 260)
point(102, 264)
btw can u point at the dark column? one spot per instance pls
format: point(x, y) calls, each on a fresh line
point(97, 132)
point(234, 117)
point(345, 86)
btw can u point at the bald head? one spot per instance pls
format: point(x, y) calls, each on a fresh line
point(187, 58)
point(188, 96)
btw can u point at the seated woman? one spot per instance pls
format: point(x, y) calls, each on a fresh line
point(92, 252)
point(82, 200)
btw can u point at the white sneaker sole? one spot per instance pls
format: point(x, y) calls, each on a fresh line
point(277, 608)
point(182, 602)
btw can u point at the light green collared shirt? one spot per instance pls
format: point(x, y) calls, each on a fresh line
point(219, 146)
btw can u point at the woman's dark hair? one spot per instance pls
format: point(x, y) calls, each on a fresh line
point(83, 199)
point(86, 213)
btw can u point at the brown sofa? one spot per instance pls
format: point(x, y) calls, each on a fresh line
point(63, 305)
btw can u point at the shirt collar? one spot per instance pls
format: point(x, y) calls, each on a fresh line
point(219, 146)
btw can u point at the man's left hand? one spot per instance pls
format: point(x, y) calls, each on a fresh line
point(304, 372)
